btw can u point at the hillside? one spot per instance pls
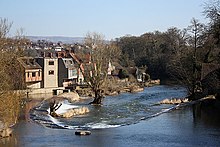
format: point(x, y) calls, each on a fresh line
point(56, 39)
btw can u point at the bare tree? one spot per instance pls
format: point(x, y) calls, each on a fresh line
point(196, 30)
point(212, 12)
point(5, 27)
point(11, 76)
point(95, 71)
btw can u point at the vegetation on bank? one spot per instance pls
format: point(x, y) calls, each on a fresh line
point(11, 77)
point(179, 54)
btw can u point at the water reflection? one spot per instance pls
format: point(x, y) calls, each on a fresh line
point(9, 141)
point(207, 112)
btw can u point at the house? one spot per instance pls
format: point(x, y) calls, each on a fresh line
point(50, 71)
point(32, 71)
point(80, 64)
point(67, 72)
point(141, 74)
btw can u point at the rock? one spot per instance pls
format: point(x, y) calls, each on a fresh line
point(82, 132)
point(71, 96)
point(152, 82)
point(155, 82)
point(74, 112)
point(54, 114)
point(6, 132)
point(173, 101)
point(136, 89)
point(111, 93)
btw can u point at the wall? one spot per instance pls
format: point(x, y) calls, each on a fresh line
point(41, 90)
point(34, 85)
point(29, 75)
point(62, 72)
point(50, 79)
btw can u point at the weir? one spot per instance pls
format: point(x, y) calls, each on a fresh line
point(121, 110)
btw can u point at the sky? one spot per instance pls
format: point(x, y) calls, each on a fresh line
point(112, 18)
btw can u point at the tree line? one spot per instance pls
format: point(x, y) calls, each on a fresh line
point(177, 53)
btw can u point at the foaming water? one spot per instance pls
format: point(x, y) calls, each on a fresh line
point(65, 106)
point(101, 125)
point(124, 109)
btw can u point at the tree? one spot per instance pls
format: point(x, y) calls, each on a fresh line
point(95, 71)
point(11, 75)
point(196, 30)
point(212, 11)
point(5, 27)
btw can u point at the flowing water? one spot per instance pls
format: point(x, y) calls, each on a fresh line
point(116, 111)
point(126, 120)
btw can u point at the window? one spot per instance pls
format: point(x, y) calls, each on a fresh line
point(33, 74)
point(70, 62)
point(39, 73)
point(73, 72)
point(51, 62)
point(51, 72)
point(28, 75)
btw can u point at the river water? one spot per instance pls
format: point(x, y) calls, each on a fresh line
point(124, 120)
point(121, 110)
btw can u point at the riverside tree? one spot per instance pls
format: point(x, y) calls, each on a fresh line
point(11, 76)
point(100, 53)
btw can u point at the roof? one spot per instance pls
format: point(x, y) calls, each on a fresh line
point(29, 63)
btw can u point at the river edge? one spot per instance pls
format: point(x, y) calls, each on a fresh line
point(176, 128)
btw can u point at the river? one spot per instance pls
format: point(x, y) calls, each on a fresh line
point(124, 120)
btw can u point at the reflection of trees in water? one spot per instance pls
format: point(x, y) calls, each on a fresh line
point(207, 112)
point(9, 141)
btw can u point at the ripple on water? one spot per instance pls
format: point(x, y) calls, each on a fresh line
point(124, 109)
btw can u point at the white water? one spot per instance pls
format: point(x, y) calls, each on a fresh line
point(65, 107)
point(101, 125)
point(132, 108)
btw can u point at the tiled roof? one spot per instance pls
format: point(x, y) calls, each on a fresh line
point(29, 63)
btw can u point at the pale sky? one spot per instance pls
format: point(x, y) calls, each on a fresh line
point(112, 18)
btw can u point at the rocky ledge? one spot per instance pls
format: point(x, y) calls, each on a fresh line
point(174, 101)
point(74, 112)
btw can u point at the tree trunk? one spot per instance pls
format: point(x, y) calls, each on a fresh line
point(53, 107)
point(98, 97)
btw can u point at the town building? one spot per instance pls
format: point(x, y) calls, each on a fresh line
point(32, 72)
point(50, 71)
point(67, 73)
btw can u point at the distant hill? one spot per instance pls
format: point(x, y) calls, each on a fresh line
point(56, 39)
